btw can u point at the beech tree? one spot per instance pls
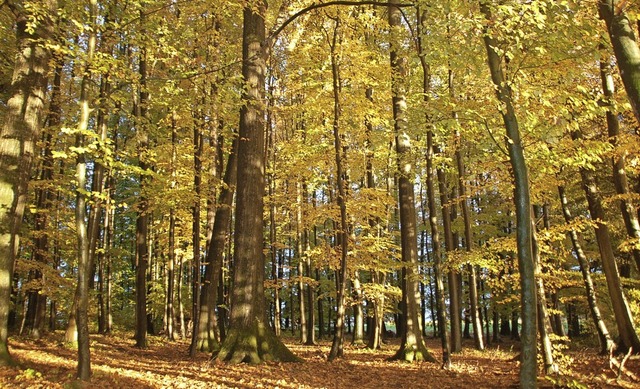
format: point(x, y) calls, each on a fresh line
point(20, 131)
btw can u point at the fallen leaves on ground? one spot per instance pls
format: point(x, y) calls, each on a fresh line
point(47, 363)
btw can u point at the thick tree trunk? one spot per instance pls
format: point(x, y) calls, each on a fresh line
point(625, 47)
point(249, 338)
point(412, 346)
point(524, 236)
point(606, 342)
point(20, 131)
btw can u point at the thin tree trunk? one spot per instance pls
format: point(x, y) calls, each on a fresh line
point(524, 236)
point(606, 342)
point(142, 219)
point(358, 315)
point(412, 346)
point(628, 208)
point(621, 310)
point(198, 145)
point(544, 321)
point(215, 253)
point(468, 242)
point(171, 260)
point(433, 222)
point(300, 247)
point(84, 256)
point(343, 234)
point(452, 275)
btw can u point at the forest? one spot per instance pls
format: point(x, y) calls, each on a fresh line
point(308, 193)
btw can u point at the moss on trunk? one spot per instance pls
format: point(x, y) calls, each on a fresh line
point(413, 352)
point(254, 344)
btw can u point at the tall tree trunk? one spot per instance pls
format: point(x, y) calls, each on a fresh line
point(249, 338)
point(621, 310)
point(221, 225)
point(343, 234)
point(412, 346)
point(171, 260)
point(468, 243)
point(431, 201)
point(625, 47)
point(524, 236)
point(84, 256)
point(606, 342)
point(300, 248)
point(544, 320)
point(44, 202)
point(142, 219)
point(628, 208)
point(358, 314)
point(20, 131)
point(198, 145)
point(453, 277)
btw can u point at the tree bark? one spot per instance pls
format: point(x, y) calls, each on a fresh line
point(20, 131)
point(142, 219)
point(625, 47)
point(249, 338)
point(524, 236)
point(215, 253)
point(628, 208)
point(606, 342)
point(452, 274)
point(544, 320)
point(468, 243)
point(342, 234)
point(412, 346)
point(621, 310)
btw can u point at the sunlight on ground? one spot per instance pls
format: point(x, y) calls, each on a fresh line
point(117, 364)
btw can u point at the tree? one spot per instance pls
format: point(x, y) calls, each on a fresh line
point(528, 368)
point(249, 338)
point(21, 130)
point(343, 231)
point(623, 39)
point(412, 347)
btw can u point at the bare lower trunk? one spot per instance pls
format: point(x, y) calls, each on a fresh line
point(606, 342)
point(522, 198)
point(622, 312)
point(343, 234)
point(20, 131)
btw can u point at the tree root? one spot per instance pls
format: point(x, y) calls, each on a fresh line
point(254, 344)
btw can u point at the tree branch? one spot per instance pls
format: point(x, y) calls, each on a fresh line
point(273, 35)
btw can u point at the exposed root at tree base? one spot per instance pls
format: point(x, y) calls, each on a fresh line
point(413, 353)
point(255, 344)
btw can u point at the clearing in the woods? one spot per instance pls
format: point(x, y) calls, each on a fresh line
point(47, 363)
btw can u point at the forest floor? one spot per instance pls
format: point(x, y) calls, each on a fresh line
point(46, 363)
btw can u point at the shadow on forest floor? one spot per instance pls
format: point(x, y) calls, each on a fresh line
point(116, 363)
